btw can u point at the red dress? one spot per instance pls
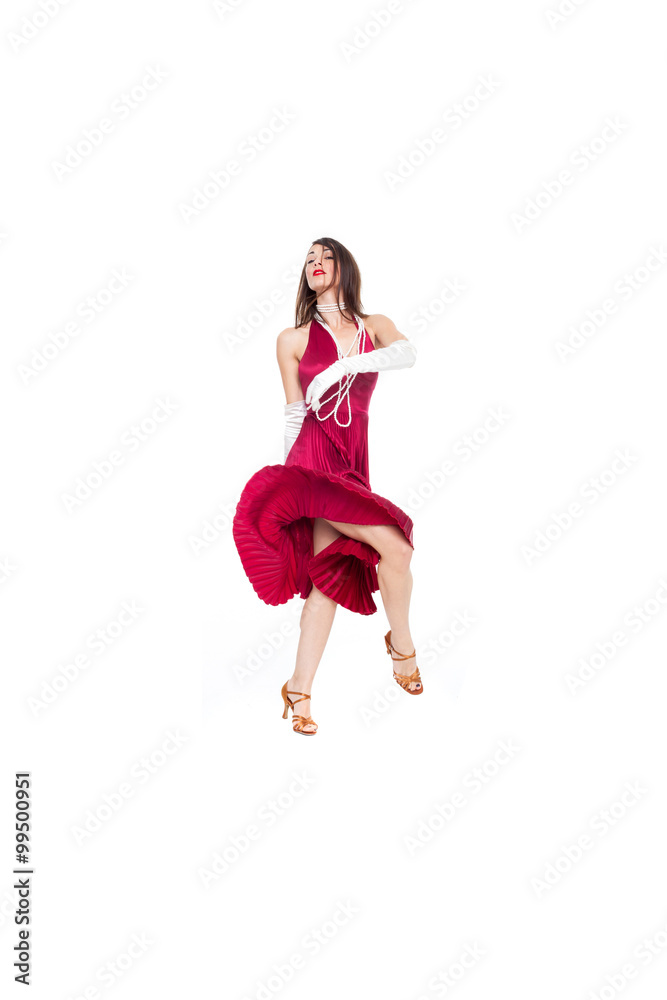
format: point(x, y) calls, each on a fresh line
point(325, 475)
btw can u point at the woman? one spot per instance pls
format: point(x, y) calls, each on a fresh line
point(312, 526)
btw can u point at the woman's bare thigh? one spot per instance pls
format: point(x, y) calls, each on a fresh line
point(323, 534)
point(384, 538)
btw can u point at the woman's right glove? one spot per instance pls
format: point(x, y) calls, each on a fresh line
point(294, 417)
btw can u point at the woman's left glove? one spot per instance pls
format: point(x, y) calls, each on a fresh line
point(320, 383)
point(399, 354)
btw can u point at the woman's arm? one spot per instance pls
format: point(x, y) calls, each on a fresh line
point(384, 329)
point(287, 346)
point(295, 407)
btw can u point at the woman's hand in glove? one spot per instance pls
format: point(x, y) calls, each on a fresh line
point(321, 383)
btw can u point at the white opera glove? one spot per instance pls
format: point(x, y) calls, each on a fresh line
point(294, 417)
point(399, 354)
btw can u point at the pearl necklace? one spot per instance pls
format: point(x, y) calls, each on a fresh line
point(330, 307)
point(345, 383)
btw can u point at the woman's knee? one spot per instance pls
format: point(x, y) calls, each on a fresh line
point(396, 551)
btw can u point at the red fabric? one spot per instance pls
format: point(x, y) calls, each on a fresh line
point(325, 475)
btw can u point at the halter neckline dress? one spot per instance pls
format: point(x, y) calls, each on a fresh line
point(325, 475)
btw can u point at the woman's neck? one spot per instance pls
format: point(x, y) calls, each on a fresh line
point(333, 318)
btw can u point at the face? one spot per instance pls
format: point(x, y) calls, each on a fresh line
point(320, 268)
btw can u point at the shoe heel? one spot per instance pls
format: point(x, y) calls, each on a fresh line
point(298, 721)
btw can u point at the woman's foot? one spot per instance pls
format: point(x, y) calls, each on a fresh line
point(402, 645)
point(302, 706)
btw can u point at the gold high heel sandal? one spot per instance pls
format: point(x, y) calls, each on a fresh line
point(298, 721)
point(404, 679)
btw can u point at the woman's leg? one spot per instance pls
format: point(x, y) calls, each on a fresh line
point(394, 580)
point(316, 620)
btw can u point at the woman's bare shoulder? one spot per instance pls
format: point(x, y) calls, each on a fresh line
point(292, 341)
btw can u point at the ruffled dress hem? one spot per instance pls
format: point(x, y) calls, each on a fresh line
point(273, 533)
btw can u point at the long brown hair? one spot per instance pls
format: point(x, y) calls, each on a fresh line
point(349, 290)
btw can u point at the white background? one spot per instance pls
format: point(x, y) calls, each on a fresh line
point(201, 655)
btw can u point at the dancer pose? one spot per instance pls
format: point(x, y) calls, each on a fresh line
point(312, 526)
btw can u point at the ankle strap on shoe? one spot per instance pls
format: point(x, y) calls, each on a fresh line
point(305, 696)
point(391, 648)
point(401, 657)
